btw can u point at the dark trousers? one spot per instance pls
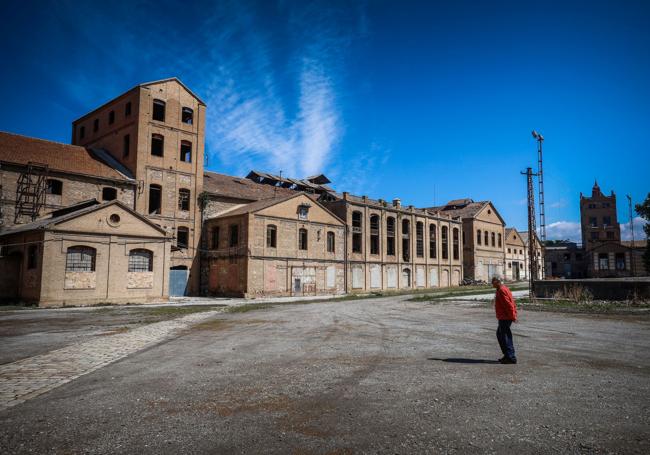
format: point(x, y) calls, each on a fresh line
point(504, 335)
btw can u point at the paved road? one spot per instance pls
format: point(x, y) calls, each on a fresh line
point(370, 376)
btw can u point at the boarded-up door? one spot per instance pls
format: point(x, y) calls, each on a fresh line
point(357, 277)
point(375, 276)
point(433, 278)
point(419, 277)
point(178, 280)
point(331, 277)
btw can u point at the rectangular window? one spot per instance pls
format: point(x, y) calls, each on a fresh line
point(184, 199)
point(607, 220)
point(374, 234)
point(234, 235)
point(157, 144)
point(80, 259)
point(96, 125)
point(127, 109)
point(593, 222)
point(215, 238)
point(31, 256)
point(331, 242)
point(126, 147)
point(419, 239)
point(186, 151)
point(154, 199)
point(187, 116)
point(356, 232)
point(603, 261)
point(620, 261)
point(111, 117)
point(390, 236)
point(302, 239)
point(158, 110)
point(271, 236)
point(82, 132)
point(182, 237)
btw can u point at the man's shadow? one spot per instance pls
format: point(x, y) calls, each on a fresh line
point(461, 360)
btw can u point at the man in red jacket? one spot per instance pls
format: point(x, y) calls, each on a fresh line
point(504, 305)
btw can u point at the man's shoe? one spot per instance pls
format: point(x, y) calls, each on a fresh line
point(508, 361)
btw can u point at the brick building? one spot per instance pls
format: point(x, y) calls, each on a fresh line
point(288, 245)
point(483, 236)
point(516, 258)
point(85, 254)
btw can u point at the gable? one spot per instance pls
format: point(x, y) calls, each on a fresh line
point(489, 214)
point(173, 89)
point(289, 209)
point(99, 222)
point(513, 238)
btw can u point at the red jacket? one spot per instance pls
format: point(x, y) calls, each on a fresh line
point(504, 304)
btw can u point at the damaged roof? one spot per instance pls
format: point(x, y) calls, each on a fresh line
point(240, 188)
point(22, 150)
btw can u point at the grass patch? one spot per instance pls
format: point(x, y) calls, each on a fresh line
point(179, 310)
point(248, 307)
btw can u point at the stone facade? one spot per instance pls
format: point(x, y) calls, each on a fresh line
point(42, 263)
point(257, 249)
point(165, 154)
point(391, 247)
point(516, 258)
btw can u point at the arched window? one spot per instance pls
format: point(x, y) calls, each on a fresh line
point(478, 237)
point(494, 243)
point(302, 239)
point(419, 239)
point(433, 248)
point(157, 144)
point(186, 151)
point(390, 236)
point(80, 258)
point(331, 242)
point(499, 241)
point(184, 199)
point(357, 236)
point(140, 260)
point(487, 238)
point(455, 246)
point(158, 110)
point(109, 194)
point(374, 234)
point(187, 116)
point(54, 187)
point(271, 236)
point(444, 238)
point(406, 240)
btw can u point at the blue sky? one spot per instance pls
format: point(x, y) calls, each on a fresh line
point(426, 101)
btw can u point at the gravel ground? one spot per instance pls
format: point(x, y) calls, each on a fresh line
point(369, 376)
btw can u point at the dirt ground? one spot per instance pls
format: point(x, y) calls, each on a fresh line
point(369, 376)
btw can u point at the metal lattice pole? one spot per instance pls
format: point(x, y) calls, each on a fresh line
point(540, 174)
point(532, 259)
point(629, 202)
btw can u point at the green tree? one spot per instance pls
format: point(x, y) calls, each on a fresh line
point(644, 212)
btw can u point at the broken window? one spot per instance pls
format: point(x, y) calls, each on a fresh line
point(406, 240)
point(390, 236)
point(155, 192)
point(499, 240)
point(158, 110)
point(433, 248)
point(54, 187)
point(486, 237)
point(140, 260)
point(478, 236)
point(80, 259)
point(331, 242)
point(494, 243)
point(111, 117)
point(187, 116)
point(95, 125)
point(603, 261)
point(109, 194)
point(620, 261)
point(126, 146)
point(455, 246)
point(607, 220)
point(234, 235)
point(82, 132)
point(31, 256)
point(509, 251)
point(374, 234)
point(184, 199)
point(186, 151)
point(127, 109)
point(182, 237)
point(157, 144)
point(593, 221)
point(444, 238)
point(357, 235)
point(302, 239)
point(215, 238)
point(271, 236)
point(419, 239)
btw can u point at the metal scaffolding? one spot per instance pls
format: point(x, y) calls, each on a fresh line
point(532, 254)
point(30, 191)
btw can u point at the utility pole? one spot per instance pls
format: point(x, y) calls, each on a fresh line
point(629, 203)
point(540, 174)
point(532, 259)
